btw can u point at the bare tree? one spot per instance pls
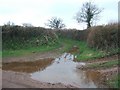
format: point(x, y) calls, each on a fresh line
point(55, 23)
point(88, 13)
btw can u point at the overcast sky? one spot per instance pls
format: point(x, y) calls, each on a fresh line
point(37, 12)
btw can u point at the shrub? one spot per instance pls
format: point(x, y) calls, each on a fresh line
point(103, 37)
point(17, 37)
point(73, 34)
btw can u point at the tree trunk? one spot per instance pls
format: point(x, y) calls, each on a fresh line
point(88, 25)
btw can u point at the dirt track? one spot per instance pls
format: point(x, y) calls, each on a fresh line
point(32, 57)
point(12, 79)
point(22, 80)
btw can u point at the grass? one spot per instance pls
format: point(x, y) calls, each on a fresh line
point(0, 54)
point(108, 64)
point(67, 44)
point(27, 51)
point(114, 81)
point(85, 52)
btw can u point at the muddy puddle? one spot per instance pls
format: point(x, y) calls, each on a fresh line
point(61, 70)
point(28, 67)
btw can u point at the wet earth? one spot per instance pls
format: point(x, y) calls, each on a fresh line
point(60, 70)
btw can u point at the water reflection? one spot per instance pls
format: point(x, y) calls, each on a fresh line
point(63, 70)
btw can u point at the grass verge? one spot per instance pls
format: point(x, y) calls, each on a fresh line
point(114, 81)
point(103, 65)
point(27, 51)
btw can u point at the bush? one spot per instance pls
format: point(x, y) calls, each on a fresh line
point(103, 37)
point(17, 37)
point(73, 34)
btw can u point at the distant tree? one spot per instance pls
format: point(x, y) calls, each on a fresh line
point(9, 24)
point(88, 13)
point(55, 23)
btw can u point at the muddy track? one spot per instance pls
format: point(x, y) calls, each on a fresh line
point(12, 79)
point(103, 59)
point(106, 73)
point(33, 57)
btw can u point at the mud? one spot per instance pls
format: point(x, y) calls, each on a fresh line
point(61, 70)
point(18, 71)
point(102, 75)
point(64, 70)
point(32, 57)
point(27, 67)
point(12, 79)
point(74, 49)
point(103, 59)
